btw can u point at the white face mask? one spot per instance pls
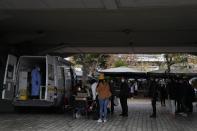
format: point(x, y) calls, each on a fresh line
point(38, 68)
point(122, 80)
point(79, 89)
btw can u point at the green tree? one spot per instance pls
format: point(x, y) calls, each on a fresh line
point(90, 63)
point(174, 59)
point(120, 63)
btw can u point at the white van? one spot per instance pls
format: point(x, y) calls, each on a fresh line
point(57, 78)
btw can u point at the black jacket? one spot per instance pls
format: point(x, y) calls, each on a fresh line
point(124, 90)
point(153, 89)
point(172, 90)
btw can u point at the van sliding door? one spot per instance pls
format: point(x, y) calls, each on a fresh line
point(50, 78)
point(9, 78)
point(67, 81)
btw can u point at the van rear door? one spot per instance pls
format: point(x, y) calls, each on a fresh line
point(9, 78)
point(50, 78)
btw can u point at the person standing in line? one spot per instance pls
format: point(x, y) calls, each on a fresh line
point(172, 94)
point(93, 88)
point(112, 96)
point(178, 95)
point(95, 98)
point(191, 97)
point(184, 98)
point(188, 97)
point(124, 94)
point(136, 87)
point(162, 93)
point(154, 95)
point(104, 94)
point(132, 88)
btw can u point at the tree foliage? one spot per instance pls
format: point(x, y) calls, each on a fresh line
point(120, 63)
point(91, 62)
point(174, 59)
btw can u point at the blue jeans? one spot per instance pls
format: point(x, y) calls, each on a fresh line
point(103, 108)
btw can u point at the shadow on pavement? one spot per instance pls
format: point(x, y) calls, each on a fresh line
point(6, 106)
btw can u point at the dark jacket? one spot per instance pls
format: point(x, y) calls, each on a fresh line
point(162, 90)
point(172, 90)
point(153, 89)
point(111, 85)
point(179, 91)
point(190, 93)
point(124, 90)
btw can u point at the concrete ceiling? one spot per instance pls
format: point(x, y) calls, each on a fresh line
point(103, 26)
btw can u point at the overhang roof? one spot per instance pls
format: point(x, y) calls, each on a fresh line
point(64, 27)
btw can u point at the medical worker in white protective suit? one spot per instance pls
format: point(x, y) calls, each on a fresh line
point(36, 81)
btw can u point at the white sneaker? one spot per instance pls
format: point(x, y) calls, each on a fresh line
point(99, 120)
point(104, 121)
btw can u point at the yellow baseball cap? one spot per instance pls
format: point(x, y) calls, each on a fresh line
point(101, 76)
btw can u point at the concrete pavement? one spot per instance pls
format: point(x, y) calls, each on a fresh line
point(138, 120)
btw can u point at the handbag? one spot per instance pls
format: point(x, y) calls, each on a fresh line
point(116, 102)
point(109, 105)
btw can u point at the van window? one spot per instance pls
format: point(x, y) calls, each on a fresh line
point(69, 74)
point(51, 72)
point(10, 72)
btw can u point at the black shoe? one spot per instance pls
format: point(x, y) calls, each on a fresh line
point(177, 112)
point(121, 115)
point(152, 116)
point(125, 115)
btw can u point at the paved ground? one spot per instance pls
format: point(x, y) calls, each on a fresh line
point(138, 120)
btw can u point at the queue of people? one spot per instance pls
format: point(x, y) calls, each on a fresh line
point(178, 91)
point(183, 95)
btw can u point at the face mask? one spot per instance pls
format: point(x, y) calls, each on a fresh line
point(38, 68)
point(122, 80)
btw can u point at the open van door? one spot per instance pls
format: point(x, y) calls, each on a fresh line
point(9, 78)
point(50, 78)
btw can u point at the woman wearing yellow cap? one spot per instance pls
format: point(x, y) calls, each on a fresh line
point(104, 94)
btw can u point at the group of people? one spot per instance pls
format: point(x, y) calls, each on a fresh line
point(178, 90)
point(182, 95)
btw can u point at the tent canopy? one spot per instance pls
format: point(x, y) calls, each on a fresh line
point(163, 72)
point(123, 71)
